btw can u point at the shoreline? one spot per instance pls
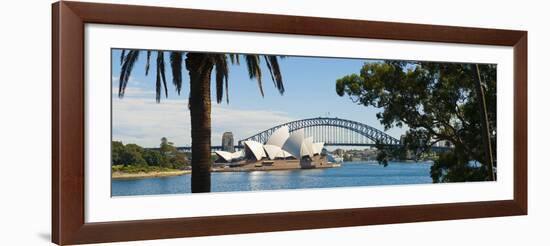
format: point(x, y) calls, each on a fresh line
point(154, 174)
point(269, 168)
point(158, 174)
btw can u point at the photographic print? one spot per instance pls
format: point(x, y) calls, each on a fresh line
point(274, 119)
point(189, 122)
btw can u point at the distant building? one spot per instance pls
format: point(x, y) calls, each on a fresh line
point(227, 142)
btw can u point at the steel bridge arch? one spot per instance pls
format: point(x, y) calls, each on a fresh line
point(370, 132)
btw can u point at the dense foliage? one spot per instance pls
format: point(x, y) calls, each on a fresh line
point(132, 155)
point(438, 103)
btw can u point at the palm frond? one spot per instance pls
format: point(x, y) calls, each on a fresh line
point(254, 71)
point(269, 67)
point(160, 76)
point(275, 71)
point(147, 63)
point(162, 72)
point(122, 56)
point(127, 66)
point(175, 64)
point(129, 58)
point(222, 74)
point(226, 78)
point(234, 58)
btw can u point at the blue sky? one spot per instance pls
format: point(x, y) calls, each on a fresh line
point(309, 92)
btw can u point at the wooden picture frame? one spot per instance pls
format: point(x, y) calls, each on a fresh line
point(68, 110)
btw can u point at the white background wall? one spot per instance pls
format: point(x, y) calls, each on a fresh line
point(25, 140)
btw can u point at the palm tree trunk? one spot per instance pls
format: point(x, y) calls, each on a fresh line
point(200, 68)
point(485, 135)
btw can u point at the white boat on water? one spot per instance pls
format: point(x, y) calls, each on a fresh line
point(335, 158)
point(336, 164)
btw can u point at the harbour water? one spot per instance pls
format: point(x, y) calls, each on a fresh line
point(348, 175)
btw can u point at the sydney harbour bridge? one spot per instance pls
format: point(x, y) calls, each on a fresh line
point(331, 131)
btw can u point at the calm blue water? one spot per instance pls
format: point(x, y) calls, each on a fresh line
point(349, 174)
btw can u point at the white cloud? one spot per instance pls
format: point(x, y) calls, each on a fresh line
point(144, 122)
point(243, 123)
point(132, 81)
point(133, 92)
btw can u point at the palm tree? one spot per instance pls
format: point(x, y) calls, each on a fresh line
point(200, 66)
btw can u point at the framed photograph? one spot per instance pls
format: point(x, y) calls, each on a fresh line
point(175, 122)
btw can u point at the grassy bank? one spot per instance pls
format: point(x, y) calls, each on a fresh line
point(132, 172)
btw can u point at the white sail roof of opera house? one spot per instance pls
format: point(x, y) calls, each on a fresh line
point(256, 148)
point(307, 147)
point(318, 147)
point(228, 156)
point(281, 144)
point(293, 144)
point(299, 146)
point(286, 154)
point(278, 137)
point(274, 152)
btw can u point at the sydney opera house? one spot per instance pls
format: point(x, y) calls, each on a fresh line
point(281, 151)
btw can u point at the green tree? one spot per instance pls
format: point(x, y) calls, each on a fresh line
point(116, 152)
point(199, 67)
point(438, 102)
point(166, 148)
point(133, 155)
point(153, 158)
point(169, 154)
point(177, 161)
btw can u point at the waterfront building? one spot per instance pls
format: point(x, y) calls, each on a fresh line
point(282, 150)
